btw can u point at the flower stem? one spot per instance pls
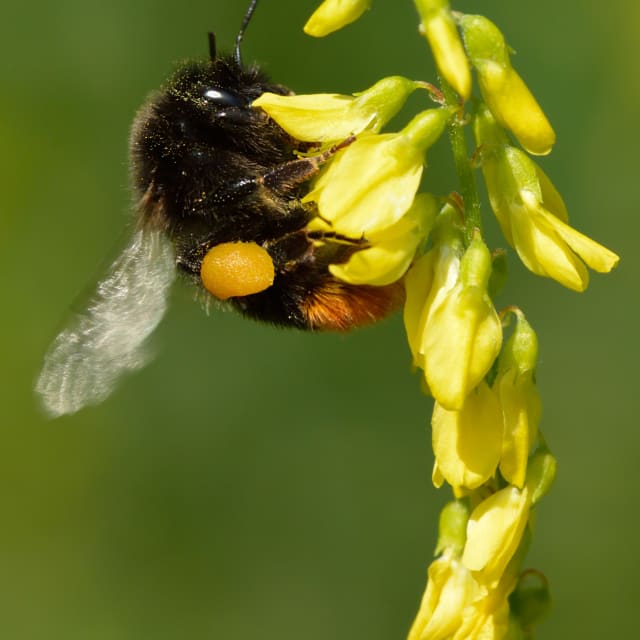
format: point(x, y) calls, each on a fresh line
point(466, 176)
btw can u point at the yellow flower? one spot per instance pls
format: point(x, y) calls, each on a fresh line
point(532, 215)
point(549, 247)
point(332, 15)
point(487, 617)
point(467, 443)
point(519, 399)
point(439, 28)
point(418, 284)
point(331, 117)
point(521, 408)
point(372, 183)
point(456, 606)
point(459, 604)
point(369, 192)
point(450, 588)
point(392, 249)
point(494, 532)
point(504, 91)
point(458, 334)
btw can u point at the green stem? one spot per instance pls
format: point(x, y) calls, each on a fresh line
point(466, 176)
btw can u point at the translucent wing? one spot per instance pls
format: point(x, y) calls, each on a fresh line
point(85, 362)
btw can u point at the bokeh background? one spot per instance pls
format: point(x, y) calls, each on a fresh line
point(254, 482)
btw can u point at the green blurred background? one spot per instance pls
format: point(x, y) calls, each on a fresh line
point(254, 482)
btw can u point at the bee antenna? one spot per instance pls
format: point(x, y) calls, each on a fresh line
point(243, 27)
point(212, 46)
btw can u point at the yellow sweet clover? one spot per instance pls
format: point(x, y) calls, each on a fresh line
point(508, 97)
point(372, 183)
point(462, 335)
point(332, 117)
point(450, 585)
point(332, 15)
point(532, 214)
point(467, 443)
point(519, 400)
point(486, 419)
point(458, 334)
point(368, 191)
point(392, 249)
point(494, 532)
point(488, 616)
point(450, 589)
point(460, 602)
point(438, 26)
point(430, 278)
point(497, 426)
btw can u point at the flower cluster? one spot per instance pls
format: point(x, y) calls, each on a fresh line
point(369, 189)
point(485, 425)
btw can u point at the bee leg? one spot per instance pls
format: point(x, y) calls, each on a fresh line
point(289, 175)
point(283, 178)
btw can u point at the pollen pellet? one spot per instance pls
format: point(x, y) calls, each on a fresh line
point(236, 269)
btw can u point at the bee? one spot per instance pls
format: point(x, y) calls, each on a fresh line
point(218, 190)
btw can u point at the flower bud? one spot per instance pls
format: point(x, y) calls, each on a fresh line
point(531, 599)
point(332, 15)
point(541, 474)
point(452, 527)
point(504, 91)
point(438, 26)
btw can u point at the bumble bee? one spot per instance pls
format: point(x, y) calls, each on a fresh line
point(218, 187)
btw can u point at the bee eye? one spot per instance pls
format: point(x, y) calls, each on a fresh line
point(224, 98)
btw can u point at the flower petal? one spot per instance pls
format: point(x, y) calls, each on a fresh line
point(544, 252)
point(461, 340)
point(494, 532)
point(596, 256)
point(371, 184)
point(442, 34)
point(417, 284)
point(467, 443)
point(487, 617)
point(504, 91)
point(521, 409)
point(331, 117)
point(449, 588)
point(332, 15)
point(392, 250)
point(318, 117)
point(368, 186)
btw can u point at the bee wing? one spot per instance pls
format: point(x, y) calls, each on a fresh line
point(86, 360)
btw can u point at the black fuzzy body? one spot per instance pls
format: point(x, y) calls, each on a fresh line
point(209, 169)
